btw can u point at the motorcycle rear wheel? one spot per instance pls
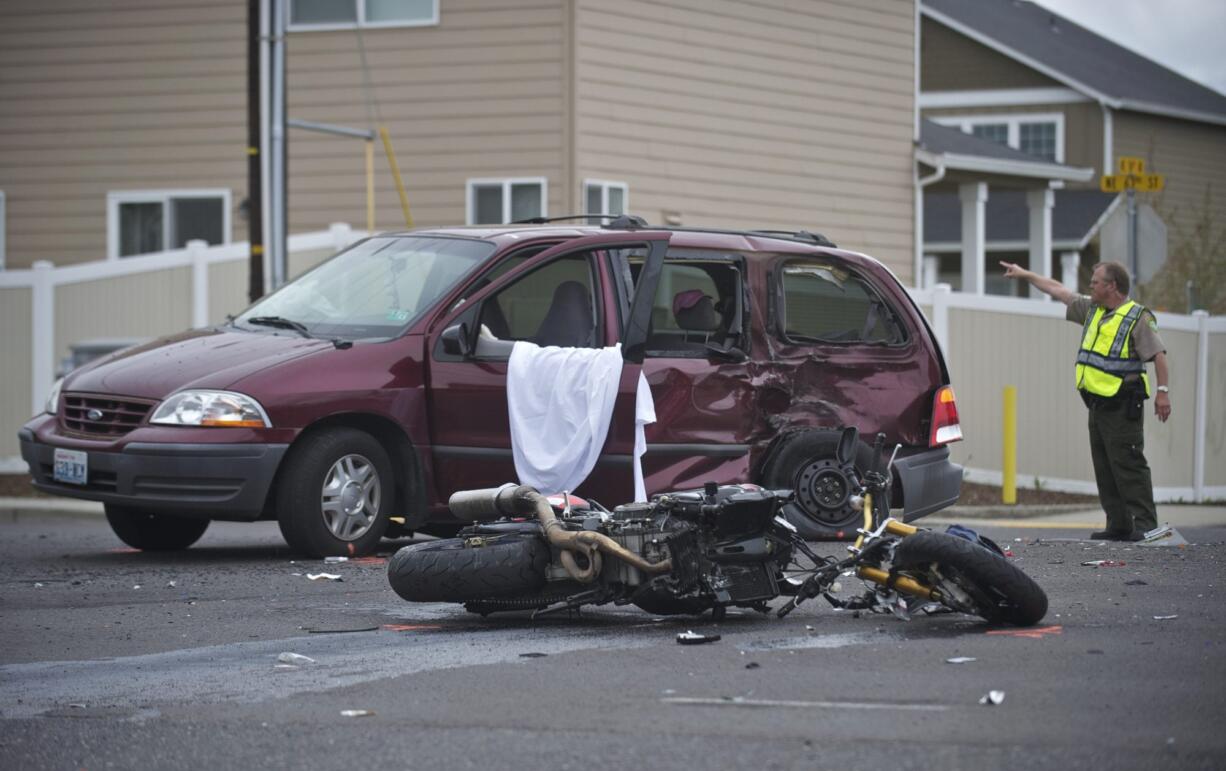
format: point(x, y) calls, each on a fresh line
point(466, 569)
point(999, 590)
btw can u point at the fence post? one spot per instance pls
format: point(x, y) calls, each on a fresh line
point(342, 235)
point(197, 252)
point(42, 334)
point(940, 316)
point(1200, 415)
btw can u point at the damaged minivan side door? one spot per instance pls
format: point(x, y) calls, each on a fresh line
point(559, 297)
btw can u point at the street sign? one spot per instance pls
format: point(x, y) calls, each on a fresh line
point(1131, 165)
point(1144, 183)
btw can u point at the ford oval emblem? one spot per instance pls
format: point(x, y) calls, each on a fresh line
point(94, 414)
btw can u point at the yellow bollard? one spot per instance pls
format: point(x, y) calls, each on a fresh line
point(1008, 488)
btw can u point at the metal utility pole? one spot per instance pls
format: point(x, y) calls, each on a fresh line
point(1133, 264)
point(255, 177)
point(276, 236)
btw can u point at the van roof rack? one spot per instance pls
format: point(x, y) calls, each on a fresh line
point(798, 235)
point(619, 221)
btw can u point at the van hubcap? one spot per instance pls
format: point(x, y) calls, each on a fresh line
point(350, 499)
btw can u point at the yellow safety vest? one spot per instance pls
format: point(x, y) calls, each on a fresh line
point(1105, 357)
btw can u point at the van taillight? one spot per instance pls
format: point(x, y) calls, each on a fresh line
point(945, 426)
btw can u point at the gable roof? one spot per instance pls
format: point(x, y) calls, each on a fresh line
point(955, 149)
point(1079, 58)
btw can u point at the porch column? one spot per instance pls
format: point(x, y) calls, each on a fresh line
point(932, 271)
point(1070, 262)
point(1040, 203)
point(974, 195)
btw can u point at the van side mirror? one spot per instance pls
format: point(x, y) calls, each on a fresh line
point(457, 341)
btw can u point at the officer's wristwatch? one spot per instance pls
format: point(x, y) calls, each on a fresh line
point(1164, 389)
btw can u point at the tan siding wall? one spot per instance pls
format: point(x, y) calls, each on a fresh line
point(480, 95)
point(1192, 157)
point(128, 94)
point(951, 61)
point(142, 305)
point(151, 94)
point(771, 115)
point(1083, 130)
point(15, 396)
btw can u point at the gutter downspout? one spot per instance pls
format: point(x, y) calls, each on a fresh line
point(920, 184)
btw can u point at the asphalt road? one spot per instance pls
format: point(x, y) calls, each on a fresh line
point(114, 658)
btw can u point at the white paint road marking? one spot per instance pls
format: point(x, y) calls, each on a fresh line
point(735, 702)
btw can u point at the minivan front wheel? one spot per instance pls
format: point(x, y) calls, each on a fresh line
point(335, 494)
point(149, 531)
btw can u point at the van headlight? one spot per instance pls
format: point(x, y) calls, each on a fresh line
point(53, 399)
point(211, 408)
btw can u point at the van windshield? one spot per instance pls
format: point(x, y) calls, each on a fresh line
point(373, 291)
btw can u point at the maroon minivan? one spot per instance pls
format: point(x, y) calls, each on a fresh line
point(352, 402)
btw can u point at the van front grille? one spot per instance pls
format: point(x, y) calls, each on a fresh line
point(103, 415)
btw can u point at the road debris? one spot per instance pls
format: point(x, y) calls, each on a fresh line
point(334, 560)
point(325, 576)
point(960, 660)
point(1105, 563)
point(753, 665)
point(172, 584)
point(688, 637)
point(1166, 618)
point(38, 585)
point(1136, 582)
point(341, 630)
point(296, 659)
point(992, 698)
point(357, 712)
point(533, 655)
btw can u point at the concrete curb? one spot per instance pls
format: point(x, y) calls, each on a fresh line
point(1012, 512)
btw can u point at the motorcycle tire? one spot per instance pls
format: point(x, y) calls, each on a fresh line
point(1001, 592)
point(467, 569)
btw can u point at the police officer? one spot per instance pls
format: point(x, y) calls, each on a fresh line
point(1118, 337)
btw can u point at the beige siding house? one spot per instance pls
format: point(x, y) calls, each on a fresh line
point(125, 126)
point(1016, 73)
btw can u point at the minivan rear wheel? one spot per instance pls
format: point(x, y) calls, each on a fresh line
point(150, 531)
point(824, 488)
point(335, 494)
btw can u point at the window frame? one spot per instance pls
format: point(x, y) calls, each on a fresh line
point(360, 23)
point(1013, 120)
point(605, 185)
point(470, 196)
point(115, 198)
point(777, 315)
point(4, 227)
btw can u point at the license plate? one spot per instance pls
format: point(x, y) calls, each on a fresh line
point(71, 467)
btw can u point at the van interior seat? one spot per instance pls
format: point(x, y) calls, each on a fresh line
point(568, 322)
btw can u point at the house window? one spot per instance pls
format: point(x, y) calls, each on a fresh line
point(346, 14)
point(1038, 135)
point(604, 197)
point(495, 201)
point(147, 221)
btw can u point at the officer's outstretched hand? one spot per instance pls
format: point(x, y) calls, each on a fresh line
point(1013, 270)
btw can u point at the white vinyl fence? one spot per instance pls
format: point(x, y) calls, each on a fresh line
point(45, 310)
point(990, 342)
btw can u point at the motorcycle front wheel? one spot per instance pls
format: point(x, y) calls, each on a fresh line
point(997, 589)
point(466, 569)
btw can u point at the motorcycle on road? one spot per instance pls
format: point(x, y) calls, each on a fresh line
point(704, 550)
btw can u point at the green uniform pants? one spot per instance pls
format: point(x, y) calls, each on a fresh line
point(1125, 489)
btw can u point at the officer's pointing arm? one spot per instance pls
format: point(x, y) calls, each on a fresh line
point(1044, 284)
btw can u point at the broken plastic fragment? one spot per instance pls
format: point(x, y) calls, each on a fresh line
point(1105, 563)
point(992, 698)
point(960, 660)
point(38, 585)
point(690, 638)
point(325, 576)
point(1166, 618)
point(294, 658)
point(533, 655)
point(333, 560)
point(357, 712)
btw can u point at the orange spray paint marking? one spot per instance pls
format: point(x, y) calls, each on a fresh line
point(351, 550)
point(369, 561)
point(1031, 634)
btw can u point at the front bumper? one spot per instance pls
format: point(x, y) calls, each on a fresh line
point(214, 481)
point(930, 481)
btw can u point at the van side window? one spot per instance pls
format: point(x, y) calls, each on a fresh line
point(827, 303)
point(553, 305)
point(696, 305)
